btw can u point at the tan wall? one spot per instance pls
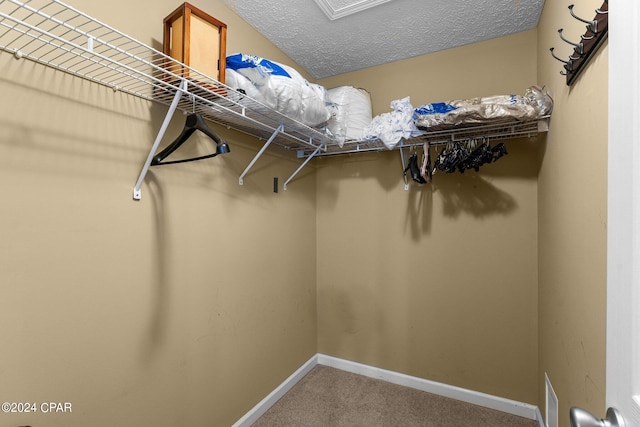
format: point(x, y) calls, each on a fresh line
point(189, 306)
point(439, 281)
point(505, 65)
point(573, 220)
point(185, 308)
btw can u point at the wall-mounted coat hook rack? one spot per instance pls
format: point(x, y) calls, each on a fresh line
point(596, 33)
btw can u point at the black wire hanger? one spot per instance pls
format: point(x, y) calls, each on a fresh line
point(193, 123)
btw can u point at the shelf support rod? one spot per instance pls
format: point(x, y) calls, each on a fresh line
point(260, 153)
point(307, 160)
point(172, 109)
point(406, 183)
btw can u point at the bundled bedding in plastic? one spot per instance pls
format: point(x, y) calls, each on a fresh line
point(406, 122)
point(393, 126)
point(351, 113)
point(345, 112)
point(535, 103)
point(279, 87)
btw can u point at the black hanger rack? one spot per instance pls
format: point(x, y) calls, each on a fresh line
point(583, 51)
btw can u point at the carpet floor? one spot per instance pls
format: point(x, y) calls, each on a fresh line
point(328, 397)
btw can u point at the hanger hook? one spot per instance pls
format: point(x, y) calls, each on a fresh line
point(554, 55)
point(568, 65)
point(578, 47)
point(583, 38)
point(593, 25)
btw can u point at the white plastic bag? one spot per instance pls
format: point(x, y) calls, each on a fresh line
point(282, 88)
point(391, 127)
point(533, 104)
point(351, 112)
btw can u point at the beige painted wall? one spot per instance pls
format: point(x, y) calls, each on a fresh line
point(185, 308)
point(573, 221)
point(505, 65)
point(439, 281)
point(189, 306)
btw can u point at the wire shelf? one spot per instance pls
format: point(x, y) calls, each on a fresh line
point(57, 35)
point(480, 132)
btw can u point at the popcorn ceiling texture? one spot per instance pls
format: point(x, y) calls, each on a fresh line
point(392, 31)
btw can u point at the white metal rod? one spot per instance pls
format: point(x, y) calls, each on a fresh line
point(406, 183)
point(136, 190)
point(262, 150)
point(307, 160)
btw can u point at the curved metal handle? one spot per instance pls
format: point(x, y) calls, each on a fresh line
point(593, 25)
point(559, 59)
point(577, 47)
point(568, 65)
point(581, 418)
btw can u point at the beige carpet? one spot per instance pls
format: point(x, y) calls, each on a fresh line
point(328, 397)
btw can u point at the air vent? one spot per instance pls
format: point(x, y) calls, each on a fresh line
point(335, 9)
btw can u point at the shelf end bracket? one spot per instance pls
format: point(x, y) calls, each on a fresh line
point(307, 160)
point(137, 193)
point(260, 153)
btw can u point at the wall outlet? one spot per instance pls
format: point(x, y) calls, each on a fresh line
point(551, 413)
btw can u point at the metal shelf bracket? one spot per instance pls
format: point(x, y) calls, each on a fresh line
point(137, 194)
point(406, 182)
point(260, 153)
point(307, 160)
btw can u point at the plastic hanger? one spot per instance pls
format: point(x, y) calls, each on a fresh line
point(193, 123)
point(415, 169)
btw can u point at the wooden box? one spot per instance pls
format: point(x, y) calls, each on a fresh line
point(196, 39)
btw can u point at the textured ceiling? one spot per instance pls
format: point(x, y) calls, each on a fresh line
point(395, 30)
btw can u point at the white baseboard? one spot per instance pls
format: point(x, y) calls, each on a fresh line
point(539, 418)
point(266, 403)
point(486, 400)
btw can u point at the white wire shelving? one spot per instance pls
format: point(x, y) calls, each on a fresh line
point(488, 132)
point(59, 36)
